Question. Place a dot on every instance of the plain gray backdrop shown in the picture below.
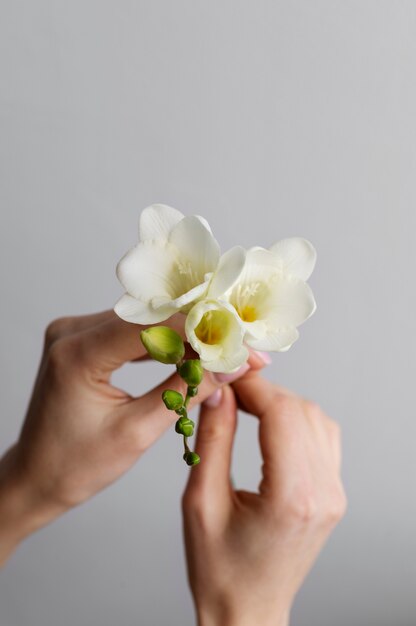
(271, 119)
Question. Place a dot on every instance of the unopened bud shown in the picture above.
(191, 458)
(191, 371)
(192, 391)
(185, 426)
(163, 344)
(173, 399)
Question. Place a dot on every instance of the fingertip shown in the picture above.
(258, 359)
(214, 400)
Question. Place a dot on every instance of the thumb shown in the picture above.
(210, 480)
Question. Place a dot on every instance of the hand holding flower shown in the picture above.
(81, 433)
(248, 553)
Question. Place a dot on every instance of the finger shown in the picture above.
(282, 427)
(148, 413)
(65, 326)
(108, 346)
(214, 442)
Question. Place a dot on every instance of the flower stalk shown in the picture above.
(166, 346)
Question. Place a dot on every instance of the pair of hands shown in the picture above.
(247, 553)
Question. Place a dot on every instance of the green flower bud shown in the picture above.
(182, 412)
(191, 458)
(163, 344)
(192, 391)
(191, 371)
(185, 426)
(173, 399)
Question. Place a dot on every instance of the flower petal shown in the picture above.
(191, 295)
(229, 269)
(227, 363)
(256, 329)
(276, 340)
(291, 302)
(149, 270)
(157, 221)
(204, 222)
(226, 351)
(138, 312)
(297, 256)
(196, 245)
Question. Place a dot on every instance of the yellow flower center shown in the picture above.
(212, 328)
(247, 313)
(244, 299)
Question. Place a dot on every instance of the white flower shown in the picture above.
(271, 296)
(214, 331)
(172, 266)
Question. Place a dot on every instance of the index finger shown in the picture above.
(115, 342)
(281, 430)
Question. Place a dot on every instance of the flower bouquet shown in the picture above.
(241, 299)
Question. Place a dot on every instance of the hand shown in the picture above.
(81, 433)
(248, 553)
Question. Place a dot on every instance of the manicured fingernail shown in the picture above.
(264, 356)
(229, 378)
(214, 399)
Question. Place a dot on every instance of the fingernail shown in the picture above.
(229, 378)
(264, 356)
(213, 400)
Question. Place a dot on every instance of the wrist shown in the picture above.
(22, 509)
(264, 616)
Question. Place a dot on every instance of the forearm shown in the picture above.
(22, 510)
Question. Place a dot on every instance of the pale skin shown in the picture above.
(247, 553)
(81, 433)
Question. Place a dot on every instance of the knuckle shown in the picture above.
(284, 404)
(64, 352)
(194, 507)
(334, 429)
(56, 329)
(211, 431)
(300, 508)
(313, 408)
(337, 507)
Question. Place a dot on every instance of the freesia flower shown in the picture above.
(215, 332)
(271, 295)
(172, 266)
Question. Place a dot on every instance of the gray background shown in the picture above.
(271, 119)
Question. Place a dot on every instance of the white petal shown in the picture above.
(229, 269)
(137, 312)
(196, 245)
(229, 363)
(149, 270)
(157, 221)
(259, 266)
(204, 222)
(296, 256)
(190, 296)
(291, 302)
(230, 342)
(276, 340)
(256, 329)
